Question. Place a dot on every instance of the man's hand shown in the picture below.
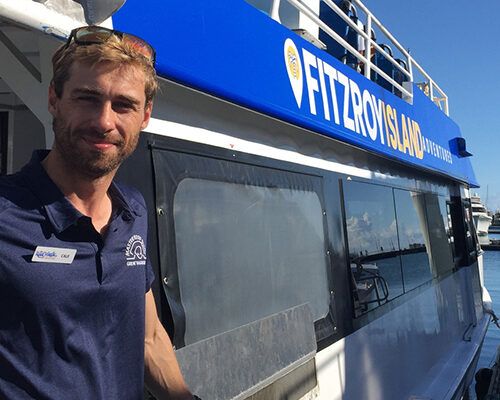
(163, 376)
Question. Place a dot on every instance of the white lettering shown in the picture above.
(322, 85)
(344, 81)
(379, 110)
(332, 75)
(372, 129)
(357, 107)
(312, 83)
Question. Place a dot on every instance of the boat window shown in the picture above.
(398, 240)
(245, 252)
(441, 240)
(241, 242)
(471, 242)
(373, 245)
(413, 241)
(449, 226)
(463, 233)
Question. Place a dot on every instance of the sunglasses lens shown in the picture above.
(96, 35)
(90, 35)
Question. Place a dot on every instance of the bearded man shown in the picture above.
(77, 315)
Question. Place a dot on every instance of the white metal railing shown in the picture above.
(364, 30)
(441, 99)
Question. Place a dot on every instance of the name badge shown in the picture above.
(53, 255)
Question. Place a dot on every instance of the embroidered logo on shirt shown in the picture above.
(135, 251)
(53, 255)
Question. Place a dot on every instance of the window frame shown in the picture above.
(182, 167)
(392, 302)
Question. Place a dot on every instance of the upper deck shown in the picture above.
(302, 62)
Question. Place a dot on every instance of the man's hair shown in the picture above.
(114, 51)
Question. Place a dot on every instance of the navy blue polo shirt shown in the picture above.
(70, 330)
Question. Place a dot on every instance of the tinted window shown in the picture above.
(245, 252)
(373, 244)
(398, 240)
(413, 239)
(440, 234)
(450, 233)
(471, 241)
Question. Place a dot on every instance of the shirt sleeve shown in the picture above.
(150, 276)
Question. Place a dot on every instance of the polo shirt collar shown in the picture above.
(124, 203)
(60, 212)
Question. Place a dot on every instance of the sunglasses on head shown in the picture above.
(87, 35)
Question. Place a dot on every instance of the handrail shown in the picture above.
(368, 40)
(432, 85)
(275, 10)
(314, 17)
(429, 86)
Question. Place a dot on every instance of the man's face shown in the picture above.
(98, 117)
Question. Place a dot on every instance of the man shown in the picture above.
(77, 316)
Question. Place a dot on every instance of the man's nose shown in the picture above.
(104, 119)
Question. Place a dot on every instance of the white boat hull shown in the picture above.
(355, 367)
(482, 222)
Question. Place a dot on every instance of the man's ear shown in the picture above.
(53, 99)
(147, 115)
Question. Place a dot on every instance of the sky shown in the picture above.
(457, 43)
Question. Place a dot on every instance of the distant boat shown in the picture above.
(482, 219)
(495, 224)
(494, 229)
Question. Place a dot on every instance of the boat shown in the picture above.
(311, 226)
(482, 219)
(495, 223)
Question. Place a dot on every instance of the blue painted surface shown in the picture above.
(233, 51)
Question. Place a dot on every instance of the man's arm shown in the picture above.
(163, 376)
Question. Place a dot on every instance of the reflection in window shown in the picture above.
(371, 222)
(245, 252)
(373, 245)
(398, 240)
(413, 238)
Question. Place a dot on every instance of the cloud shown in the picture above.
(367, 236)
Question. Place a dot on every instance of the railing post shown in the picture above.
(409, 85)
(275, 10)
(431, 89)
(410, 67)
(368, 46)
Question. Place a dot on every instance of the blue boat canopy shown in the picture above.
(235, 52)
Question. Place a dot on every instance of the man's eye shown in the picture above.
(123, 106)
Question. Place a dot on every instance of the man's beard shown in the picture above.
(90, 163)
